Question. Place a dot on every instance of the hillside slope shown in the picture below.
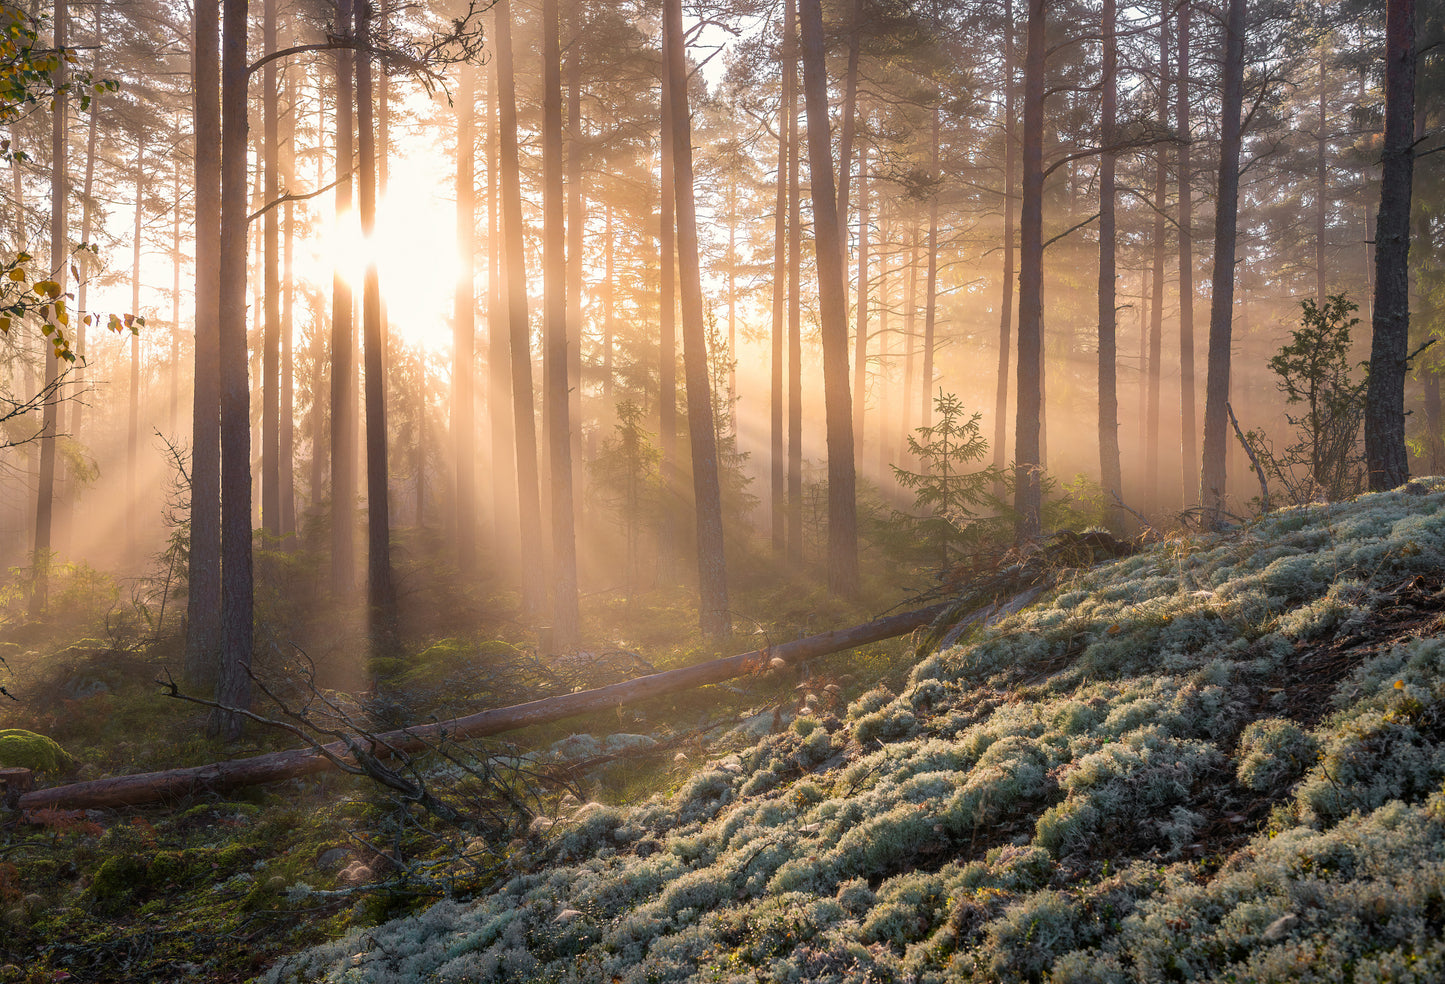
(1219, 760)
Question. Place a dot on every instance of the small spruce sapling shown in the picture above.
(949, 495)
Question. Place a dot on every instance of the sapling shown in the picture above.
(949, 496)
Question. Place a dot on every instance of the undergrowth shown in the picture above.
(1220, 759)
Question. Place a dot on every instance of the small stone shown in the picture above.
(354, 874)
(333, 859)
(1280, 928)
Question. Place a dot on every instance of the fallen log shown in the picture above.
(151, 787)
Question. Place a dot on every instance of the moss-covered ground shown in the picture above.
(1220, 759)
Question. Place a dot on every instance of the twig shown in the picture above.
(1118, 501)
(1253, 460)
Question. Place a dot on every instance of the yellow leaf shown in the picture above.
(5, 323)
(17, 275)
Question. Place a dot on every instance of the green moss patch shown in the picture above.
(27, 750)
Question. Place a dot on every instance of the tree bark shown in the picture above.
(132, 429)
(1221, 310)
(60, 264)
(234, 686)
(463, 409)
(776, 454)
(554, 334)
(1156, 316)
(1110, 469)
(576, 228)
(1028, 489)
(534, 589)
(860, 333)
(833, 313)
(1386, 460)
(271, 285)
(203, 598)
(500, 399)
(1006, 303)
(1188, 421)
(714, 616)
(380, 589)
(288, 321)
(795, 313)
(343, 341)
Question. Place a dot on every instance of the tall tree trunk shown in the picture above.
(609, 292)
(132, 430)
(1006, 303)
(849, 121)
(318, 429)
(271, 285)
(534, 589)
(1028, 489)
(910, 339)
(1188, 423)
(234, 686)
(795, 313)
(713, 614)
(833, 313)
(667, 345)
(1385, 456)
(1221, 309)
(554, 338)
(930, 304)
(174, 404)
(860, 335)
(288, 323)
(1156, 320)
(505, 517)
(60, 264)
(1110, 469)
(1322, 186)
(381, 591)
(203, 596)
(884, 379)
(464, 327)
(343, 342)
(576, 227)
(776, 461)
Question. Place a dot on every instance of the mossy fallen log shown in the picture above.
(151, 787)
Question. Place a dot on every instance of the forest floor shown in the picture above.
(1219, 759)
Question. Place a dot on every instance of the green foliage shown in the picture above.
(950, 496)
(1326, 457)
(625, 476)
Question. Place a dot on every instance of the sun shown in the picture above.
(413, 246)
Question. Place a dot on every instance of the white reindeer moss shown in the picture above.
(1037, 805)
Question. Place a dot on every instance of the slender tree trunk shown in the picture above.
(554, 334)
(667, 346)
(1322, 187)
(609, 292)
(381, 591)
(1156, 320)
(234, 686)
(464, 328)
(795, 313)
(1028, 490)
(849, 120)
(59, 262)
(271, 285)
(1110, 469)
(860, 335)
(288, 323)
(505, 516)
(884, 380)
(910, 339)
(319, 437)
(203, 597)
(1226, 214)
(714, 616)
(534, 589)
(930, 308)
(576, 227)
(343, 343)
(173, 409)
(1188, 422)
(1006, 303)
(132, 430)
(833, 311)
(776, 460)
(1385, 456)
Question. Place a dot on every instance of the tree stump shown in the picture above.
(14, 782)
